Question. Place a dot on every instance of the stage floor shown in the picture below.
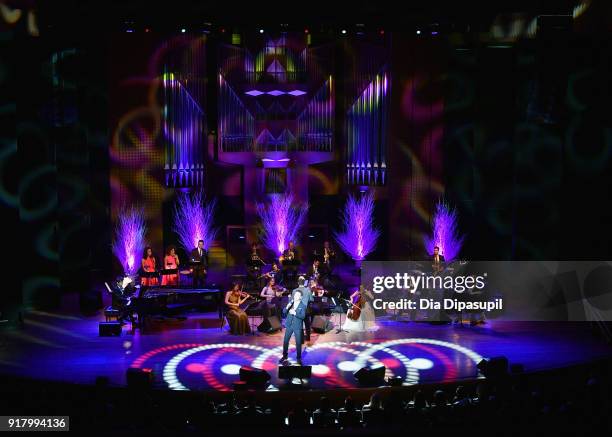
(198, 355)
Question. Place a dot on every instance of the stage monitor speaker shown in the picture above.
(253, 376)
(371, 375)
(290, 372)
(496, 367)
(321, 324)
(109, 329)
(270, 324)
(139, 378)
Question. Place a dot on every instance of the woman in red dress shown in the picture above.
(171, 261)
(148, 266)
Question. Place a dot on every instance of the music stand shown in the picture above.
(168, 272)
(338, 309)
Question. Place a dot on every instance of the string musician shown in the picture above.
(319, 306)
(360, 315)
(236, 316)
(273, 295)
(274, 273)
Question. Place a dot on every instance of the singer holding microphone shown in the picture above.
(294, 324)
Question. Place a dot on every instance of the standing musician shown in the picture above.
(199, 258)
(437, 260)
(329, 255)
(294, 323)
(236, 316)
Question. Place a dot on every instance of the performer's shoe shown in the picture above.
(283, 360)
(299, 362)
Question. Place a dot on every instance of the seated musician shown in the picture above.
(273, 294)
(236, 316)
(274, 273)
(290, 254)
(360, 316)
(318, 306)
(314, 270)
(171, 262)
(148, 266)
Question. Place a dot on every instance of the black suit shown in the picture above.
(199, 270)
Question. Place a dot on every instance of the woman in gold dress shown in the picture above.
(237, 318)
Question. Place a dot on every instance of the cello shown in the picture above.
(355, 311)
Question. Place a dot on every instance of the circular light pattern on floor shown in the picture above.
(364, 354)
(320, 370)
(421, 363)
(230, 369)
(349, 366)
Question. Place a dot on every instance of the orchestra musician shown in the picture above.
(289, 260)
(199, 256)
(236, 316)
(314, 271)
(272, 303)
(171, 262)
(329, 255)
(360, 316)
(275, 273)
(148, 265)
(290, 254)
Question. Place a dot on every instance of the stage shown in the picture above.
(199, 354)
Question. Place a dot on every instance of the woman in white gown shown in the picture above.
(367, 319)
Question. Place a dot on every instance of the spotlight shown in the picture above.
(343, 31)
(418, 32)
(183, 30)
(261, 31)
(147, 30)
(382, 31)
(305, 30)
(434, 32)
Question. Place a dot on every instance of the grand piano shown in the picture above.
(174, 303)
